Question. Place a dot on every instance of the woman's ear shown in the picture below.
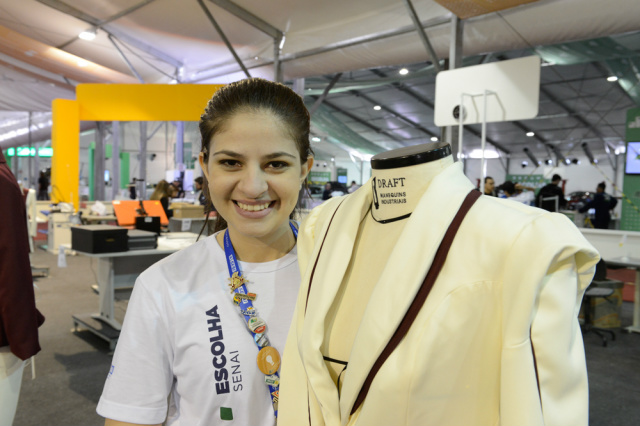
(306, 168)
(203, 165)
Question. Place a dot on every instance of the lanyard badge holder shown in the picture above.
(268, 357)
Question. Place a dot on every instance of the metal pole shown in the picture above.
(115, 160)
(142, 188)
(224, 38)
(179, 144)
(423, 36)
(484, 135)
(30, 161)
(277, 65)
(455, 61)
(98, 163)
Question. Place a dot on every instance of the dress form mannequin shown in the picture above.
(399, 179)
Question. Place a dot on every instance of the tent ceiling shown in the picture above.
(367, 40)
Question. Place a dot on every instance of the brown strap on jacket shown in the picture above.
(421, 296)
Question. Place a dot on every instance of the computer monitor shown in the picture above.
(632, 163)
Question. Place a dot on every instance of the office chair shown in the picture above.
(599, 278)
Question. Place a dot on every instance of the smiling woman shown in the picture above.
(187, 351)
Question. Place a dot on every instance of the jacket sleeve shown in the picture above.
(19, 318)
(542, 340)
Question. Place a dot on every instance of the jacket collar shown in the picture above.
(407, 266)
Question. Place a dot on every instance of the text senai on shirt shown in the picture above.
(220, 362)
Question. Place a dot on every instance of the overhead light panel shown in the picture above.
(612, 78)
(403, 71)
(377, 107)
(88, 35)
(531, 134)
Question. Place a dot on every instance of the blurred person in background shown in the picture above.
(489, 186)
(164, 192)
(602, 203)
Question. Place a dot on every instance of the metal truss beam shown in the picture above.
(124, 58)
(71, 11)
(363, 122)
(224, 38)
(322, 97)
(249, 18)
(404, 89)
(423, 36)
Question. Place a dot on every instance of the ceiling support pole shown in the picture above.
(322, 97)
(224, 38)
(124, 58)
(115, 159)
(450, 134)
(423, 36)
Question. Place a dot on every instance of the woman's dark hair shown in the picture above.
(253, 95)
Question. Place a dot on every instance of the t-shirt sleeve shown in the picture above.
(140, 378)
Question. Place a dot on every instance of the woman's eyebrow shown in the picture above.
(229, 153)
(271, 156)
(278, 154)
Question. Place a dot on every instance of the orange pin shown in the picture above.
(268, 360)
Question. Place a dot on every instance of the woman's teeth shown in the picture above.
(253, 207)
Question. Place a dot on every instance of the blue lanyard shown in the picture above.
(246, 305)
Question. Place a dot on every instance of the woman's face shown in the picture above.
(254, 174)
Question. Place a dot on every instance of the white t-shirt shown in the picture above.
(183, 335)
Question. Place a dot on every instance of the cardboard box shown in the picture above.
(186, 210)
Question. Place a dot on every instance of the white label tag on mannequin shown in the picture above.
(186, 225)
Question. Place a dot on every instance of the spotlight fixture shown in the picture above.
(530, 134)
(377, 107)
(88, 35)
(315, 139)
(525, 163)
(548, 162)
(434, 139)
(403, 71)
(532, 157)
(612, 78)
(587, 151)
(575, 161)
(567, 161)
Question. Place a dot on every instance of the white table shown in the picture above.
(120, 270)
(630, 262)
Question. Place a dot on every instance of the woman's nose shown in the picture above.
(253, 183)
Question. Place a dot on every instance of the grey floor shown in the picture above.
(71, 367)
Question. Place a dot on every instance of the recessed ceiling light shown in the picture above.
(530, 134)
(88, 35)
(612, 78)
(403, 71)
(377, 107)
(434, 139)
(315, 139)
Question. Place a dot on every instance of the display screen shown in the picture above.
(632, 165)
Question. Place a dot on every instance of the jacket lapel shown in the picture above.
(401, 278)
(326, 270)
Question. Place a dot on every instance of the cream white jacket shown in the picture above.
(497, 341)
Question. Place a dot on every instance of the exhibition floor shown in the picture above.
(71, 367)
